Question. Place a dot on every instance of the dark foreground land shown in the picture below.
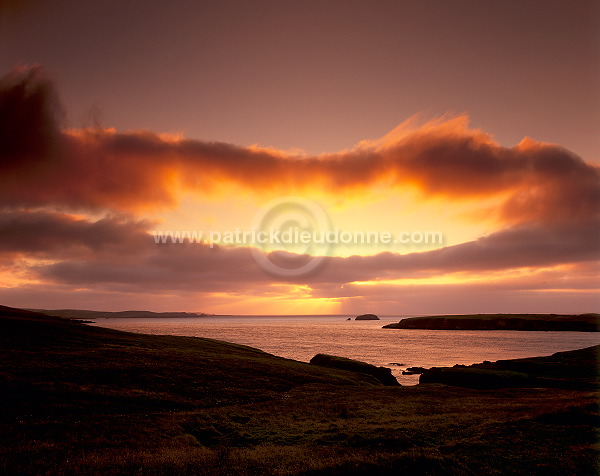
(86, 400)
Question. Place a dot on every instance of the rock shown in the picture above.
(414, 370)
(366, 317)
(383, 374)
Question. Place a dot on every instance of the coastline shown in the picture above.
(301, 338)
(90, 400)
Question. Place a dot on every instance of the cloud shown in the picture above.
(141, 264)
(117, 256)
(30, 132)
(169, 267)
(515, 248)
(125, 171)
(197, 274)
(52, 234)
(548, 212)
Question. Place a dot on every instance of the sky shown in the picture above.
(461, 136)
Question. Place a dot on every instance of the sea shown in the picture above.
(302, 337)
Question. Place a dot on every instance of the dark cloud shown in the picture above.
(223, 269)
(515, 248)
(60, 235)
(29, 121)
(174, 267)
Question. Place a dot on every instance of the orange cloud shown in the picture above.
(41, 164)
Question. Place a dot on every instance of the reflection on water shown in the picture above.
(301, 337)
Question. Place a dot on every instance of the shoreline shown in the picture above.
(291, 339)
(91, 400)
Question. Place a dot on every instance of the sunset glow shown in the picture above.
(509, 180)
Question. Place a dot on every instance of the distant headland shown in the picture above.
(85, 314)
(514, 322)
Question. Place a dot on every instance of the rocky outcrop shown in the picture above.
(383, 374)
(513, 322)
(575, 369)
(366, 317)
(414, 370)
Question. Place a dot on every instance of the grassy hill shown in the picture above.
(44, 358)
(93, 401)
(576, 369)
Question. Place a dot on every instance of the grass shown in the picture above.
(90, 401)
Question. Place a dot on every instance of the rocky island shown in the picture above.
(514, 322)
(366, 317)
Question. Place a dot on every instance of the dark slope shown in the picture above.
(89, 401)
(576, 369)
(43, 358)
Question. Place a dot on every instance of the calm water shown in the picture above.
(301, 337)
